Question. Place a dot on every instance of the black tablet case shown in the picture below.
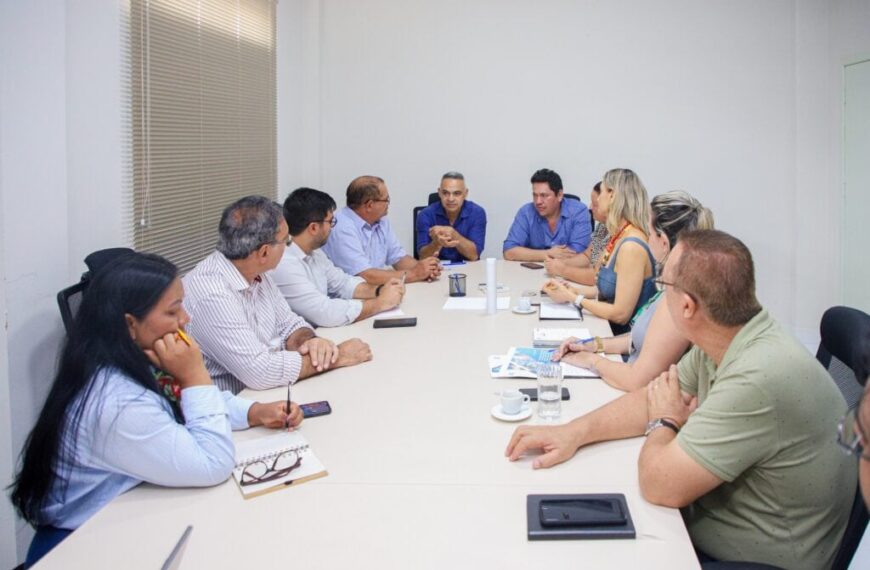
(538, 532)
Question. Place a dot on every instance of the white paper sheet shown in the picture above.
(473, 303)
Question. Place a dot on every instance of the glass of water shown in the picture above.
(549, 391)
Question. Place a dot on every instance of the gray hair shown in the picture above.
(453, 175)
(247, 224)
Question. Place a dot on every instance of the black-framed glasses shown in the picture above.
(850, 434)
(387, 199)
(663, 286)
(266, 470)
(331, 222)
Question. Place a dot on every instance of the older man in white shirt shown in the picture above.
(248, 335)
(312, 285)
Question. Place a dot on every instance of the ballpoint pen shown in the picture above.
(287, 421)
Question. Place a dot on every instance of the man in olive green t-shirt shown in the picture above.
(746, 446)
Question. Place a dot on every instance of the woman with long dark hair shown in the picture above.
(131, 402)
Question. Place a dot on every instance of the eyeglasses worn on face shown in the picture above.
(331, 222)
(387, 199)
(849, 435)
(663, 286)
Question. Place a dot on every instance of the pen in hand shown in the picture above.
(287, 421)
(183, 336)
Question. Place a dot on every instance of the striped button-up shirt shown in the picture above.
(241, 327)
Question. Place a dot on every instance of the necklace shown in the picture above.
(611, 244)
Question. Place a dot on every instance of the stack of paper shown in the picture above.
(551, 338)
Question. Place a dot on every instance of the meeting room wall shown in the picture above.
(738, 103)
(734, 102)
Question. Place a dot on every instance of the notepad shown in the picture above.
(266, 449)
(559, 311)
(551, 338)
(474, 303)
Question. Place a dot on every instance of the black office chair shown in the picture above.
(70, 299)
(844, 333)
(591, 217)
(844, 351)
(433, 197)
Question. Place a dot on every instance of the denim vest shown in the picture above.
(607, 284)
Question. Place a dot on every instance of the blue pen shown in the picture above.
(584, 341)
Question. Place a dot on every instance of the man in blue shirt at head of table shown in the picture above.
(452, 229)
(549, 226)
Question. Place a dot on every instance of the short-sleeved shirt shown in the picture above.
(355, 245)
(532, 230)
(470, 224)
(316, 289)
(766, 425)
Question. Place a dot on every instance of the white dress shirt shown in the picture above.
(241, 327)
(127, 435)
(316, 289)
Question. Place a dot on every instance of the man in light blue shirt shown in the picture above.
(549, 226)
(363, 243)
(314, 287)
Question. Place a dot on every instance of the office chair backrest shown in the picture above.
(70, 299)
(842, 351)
(417, 211)
(844, 333)
(433, 197)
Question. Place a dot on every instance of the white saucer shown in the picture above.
(519, 311)
(498, 414)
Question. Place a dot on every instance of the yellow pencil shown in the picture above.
(183, 336)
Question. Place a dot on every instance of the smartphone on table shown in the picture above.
(315, 409)
(533, 393)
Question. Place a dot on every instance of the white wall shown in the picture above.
(698, 96)
(738, 103)
(60, 174)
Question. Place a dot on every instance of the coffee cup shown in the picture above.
(525, 304)
(514, 401)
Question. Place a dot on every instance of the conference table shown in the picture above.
(417, 472)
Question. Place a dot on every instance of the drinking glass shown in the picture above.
(549, 391)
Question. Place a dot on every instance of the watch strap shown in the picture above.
(661, 422)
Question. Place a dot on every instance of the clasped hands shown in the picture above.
(444, 236)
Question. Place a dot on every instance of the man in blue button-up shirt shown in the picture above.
(363, 243)
(452, 229)
(549, 226)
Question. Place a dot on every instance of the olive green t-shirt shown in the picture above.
(766, 424)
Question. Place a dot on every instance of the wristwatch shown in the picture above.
(660, 422)
(578, 300)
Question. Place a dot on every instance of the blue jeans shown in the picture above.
(47, 537)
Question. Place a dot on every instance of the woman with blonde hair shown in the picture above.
(654, 343)
(626, 274)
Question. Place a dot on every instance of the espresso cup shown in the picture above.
(514, 401)
(525, 304)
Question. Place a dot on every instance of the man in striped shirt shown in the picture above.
(248, 335)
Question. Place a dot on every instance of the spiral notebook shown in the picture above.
(267, 449)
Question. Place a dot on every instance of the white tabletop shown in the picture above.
(417, 473)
